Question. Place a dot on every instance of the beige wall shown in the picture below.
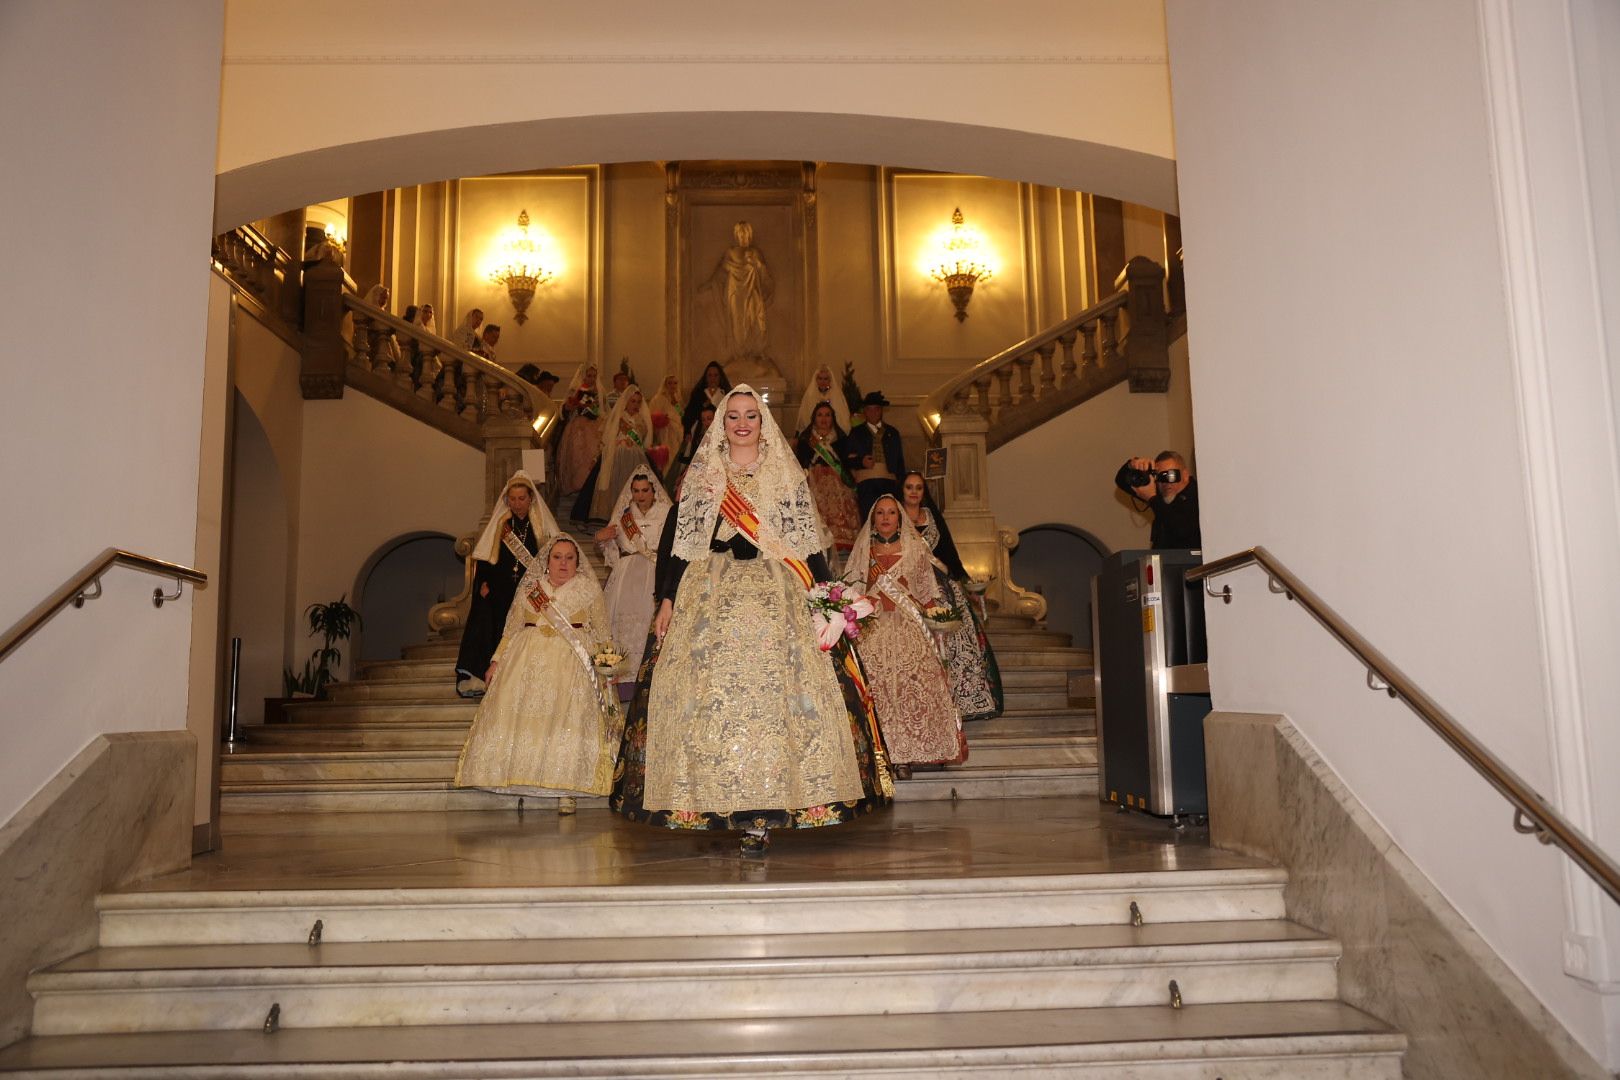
(1071, 93)
(372, 474)
(99, 425)
(1375, 294)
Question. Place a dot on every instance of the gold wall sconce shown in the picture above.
(962, 260)
(525, 265)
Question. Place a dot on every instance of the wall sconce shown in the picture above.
(524, 267)
(963, 261)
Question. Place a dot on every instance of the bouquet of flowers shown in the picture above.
(660, 419)
(607, 660)
(659, 457)
(943, 619)
(584, 402)
(838, 610)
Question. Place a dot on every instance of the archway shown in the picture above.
(269, 187)
(256, 581)
(1059, 561)
(395, 588)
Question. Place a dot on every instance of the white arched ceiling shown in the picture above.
(1071, 93)
(260, 190)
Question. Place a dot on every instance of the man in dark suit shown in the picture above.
(873, 454)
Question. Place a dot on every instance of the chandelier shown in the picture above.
(962, 261)
(524, 267)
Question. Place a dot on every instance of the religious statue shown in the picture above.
(744, 286)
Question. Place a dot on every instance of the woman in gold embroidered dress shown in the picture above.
(547, 725)
(740, 720)
(820, 449)
(910, 687)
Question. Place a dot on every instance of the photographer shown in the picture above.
(1165, 486)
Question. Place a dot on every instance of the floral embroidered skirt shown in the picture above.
(740, 721)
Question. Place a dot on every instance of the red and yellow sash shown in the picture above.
(737, 510)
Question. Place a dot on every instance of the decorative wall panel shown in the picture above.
(564, 327)
(921, 333)
(742, 277)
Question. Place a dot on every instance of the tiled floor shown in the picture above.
(487, 849)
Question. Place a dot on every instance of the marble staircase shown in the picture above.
(997, 976)
(389, 738)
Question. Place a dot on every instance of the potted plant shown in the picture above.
(334, 622)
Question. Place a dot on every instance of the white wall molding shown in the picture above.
(1550, 441)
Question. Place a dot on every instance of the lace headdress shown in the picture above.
(488, 547)
(575, 594)
(814, 397)
(916, 564)
(660, 499)
(786, 513)
(640, 421)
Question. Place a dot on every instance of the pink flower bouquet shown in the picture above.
(838, 610)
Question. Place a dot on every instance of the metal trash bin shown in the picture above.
(1150, 665)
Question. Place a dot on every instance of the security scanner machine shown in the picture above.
(1150, 663)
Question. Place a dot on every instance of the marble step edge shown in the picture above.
(1090, 944)
(968, 769)
(1319, 1041)
(324, 996)
(429, 914)
(988, 739)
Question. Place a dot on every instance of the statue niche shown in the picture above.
(735, 308)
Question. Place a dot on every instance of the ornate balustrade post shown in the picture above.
(966, 501)
(324, 357)
(1147, 349)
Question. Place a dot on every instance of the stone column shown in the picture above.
(982, 546)
(1105, 243)
(321, 370)
(505, 439)
(286, 231)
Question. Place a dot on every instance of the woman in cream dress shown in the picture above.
(910, 687)
(547, 724)
(630, 548)
(625, 438)
(740, 720)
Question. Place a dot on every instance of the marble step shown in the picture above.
(380, 735)
(379, 670)
(1053, 722)
(1020, 699)
(369, 797)
(1031, 638)
(433, 650)
(970, 781)
(1035, 678)
(1066, 659)
(1294, 1040)
(419, 691)
(284, 916)
(332, 713)
(225, 987)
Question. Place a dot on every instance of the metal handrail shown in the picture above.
(1533, 815)
(77, 590)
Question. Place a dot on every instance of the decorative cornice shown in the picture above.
(486, 59)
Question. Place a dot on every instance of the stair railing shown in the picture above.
(1532, 814)
(443, 374)
(86, 586)
(1123, 336)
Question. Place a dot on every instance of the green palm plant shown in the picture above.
(334, 622)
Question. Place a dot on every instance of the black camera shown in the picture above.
(1142, 477)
